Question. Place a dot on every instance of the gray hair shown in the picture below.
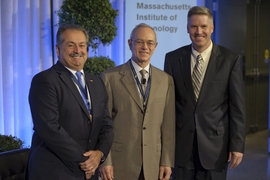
(139, 26)
(63, 28)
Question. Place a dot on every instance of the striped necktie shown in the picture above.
(197, 76)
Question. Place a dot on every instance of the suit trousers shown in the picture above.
(141, 176)
(195, 171)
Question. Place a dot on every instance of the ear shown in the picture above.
(130, 44)
(57, 50)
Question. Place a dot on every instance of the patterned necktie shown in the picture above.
(143, 80)
(197, 76)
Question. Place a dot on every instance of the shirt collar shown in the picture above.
(73, 71)
(138, 68)
(204, 54)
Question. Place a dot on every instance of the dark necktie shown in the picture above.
(197, 76)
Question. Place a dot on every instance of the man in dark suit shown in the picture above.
(73, 131)
(210, 103)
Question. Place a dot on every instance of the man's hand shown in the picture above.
(92, 163)
(165, 172)
(88, 175)
(106, 172)
(235, 158)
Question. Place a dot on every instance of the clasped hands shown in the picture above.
(91, 164)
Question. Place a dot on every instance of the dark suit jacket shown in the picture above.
(62, 128)
(219, 114)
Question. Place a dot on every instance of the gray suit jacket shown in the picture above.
(219, 114)
(141, 137)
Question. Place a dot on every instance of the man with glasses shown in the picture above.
(141, 103)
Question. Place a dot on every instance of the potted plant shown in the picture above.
(10, 142)
(98, 18)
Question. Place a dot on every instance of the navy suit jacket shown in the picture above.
(62, 127)
(219, 114)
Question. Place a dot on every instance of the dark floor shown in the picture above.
(256, 161)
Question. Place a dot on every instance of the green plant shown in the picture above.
(10, 142)
(97, 65)
(96, 16)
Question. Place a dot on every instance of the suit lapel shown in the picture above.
(64, 75)
(184, 60)
(155, 83)
(91, 84)
(211, 71)
(187, 75)
(130, 84)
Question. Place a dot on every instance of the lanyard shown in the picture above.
(145, 96)
(83, 91)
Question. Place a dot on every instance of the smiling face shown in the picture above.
(72, 52)
(142, 45)
(200, 28)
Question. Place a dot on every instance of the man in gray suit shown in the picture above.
(210, 103)
(143, 112)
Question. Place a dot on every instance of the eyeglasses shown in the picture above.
(139, 42)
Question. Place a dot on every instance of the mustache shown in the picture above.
(76, 55)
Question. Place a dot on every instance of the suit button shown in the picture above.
(89, 140)
(144, 128)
